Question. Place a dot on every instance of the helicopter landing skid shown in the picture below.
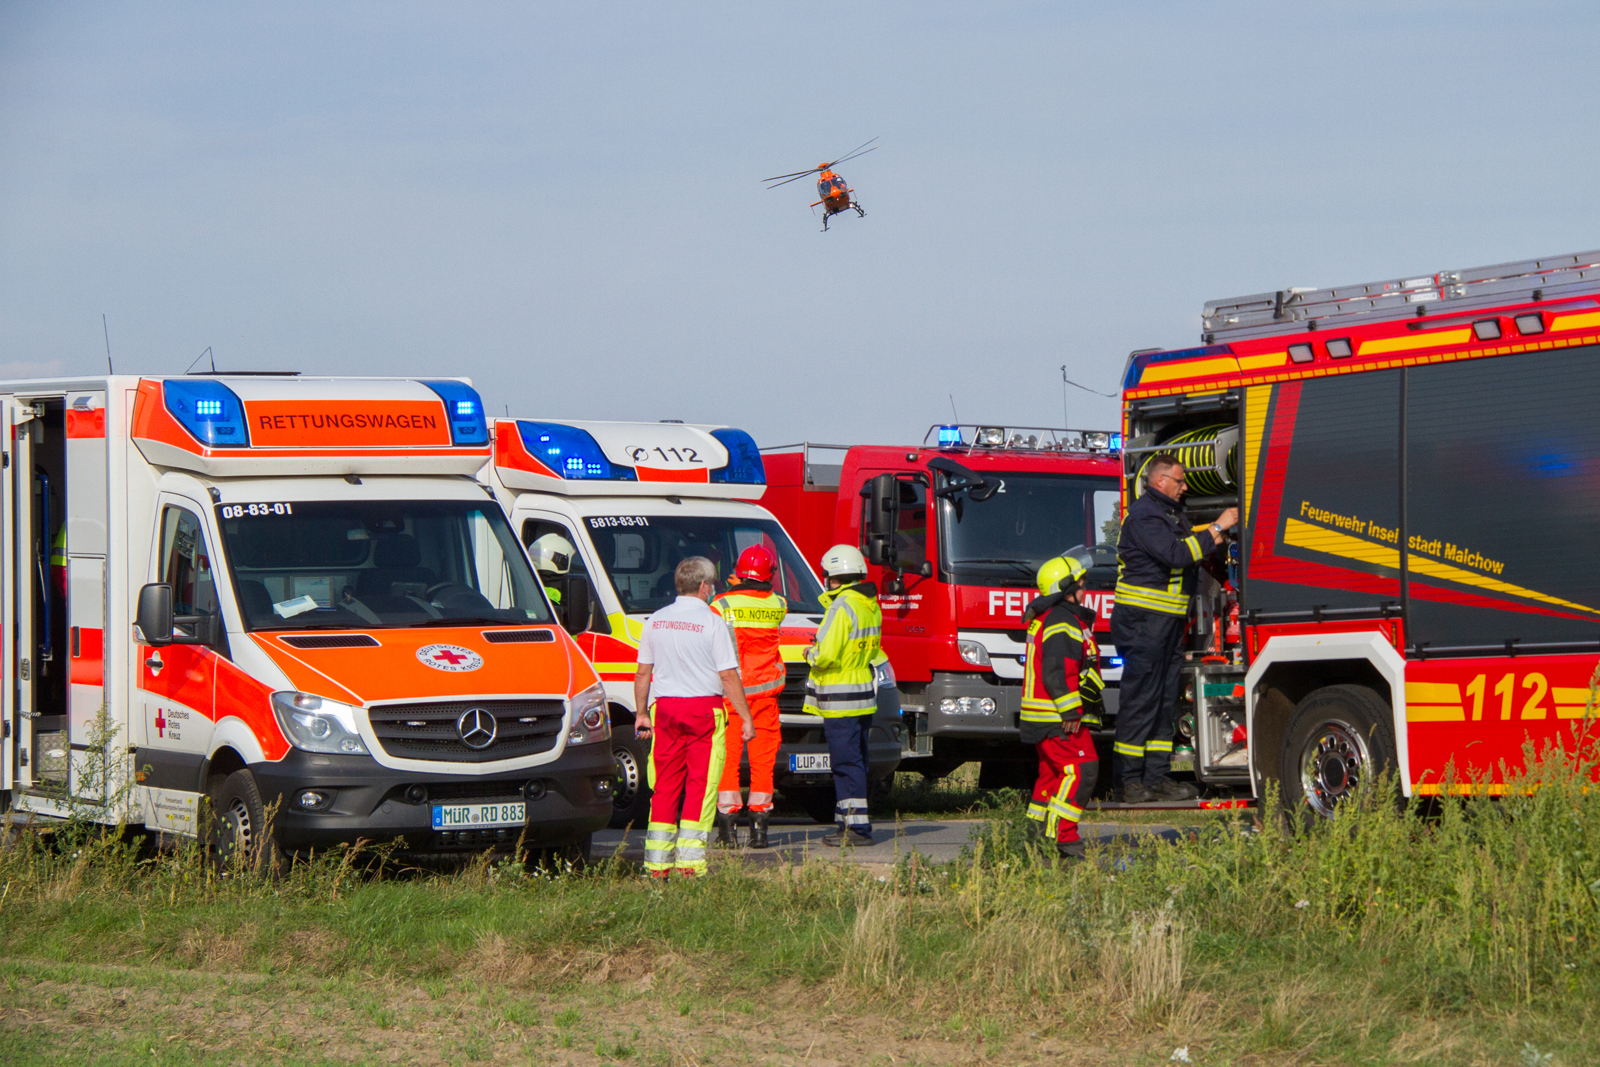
(861, 213)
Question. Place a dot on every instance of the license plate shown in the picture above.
(469, 816)
(800, 762)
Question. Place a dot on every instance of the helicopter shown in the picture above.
(836, 195)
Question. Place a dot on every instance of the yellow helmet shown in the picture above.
(1059, 573)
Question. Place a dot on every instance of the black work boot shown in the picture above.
(1070, 850)
(1169, 790)
(727, 836)
(1137, 793)
(758, 828)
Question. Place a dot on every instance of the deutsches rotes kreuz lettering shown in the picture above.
(449, 658)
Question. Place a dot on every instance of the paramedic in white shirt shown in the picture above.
(687, 655)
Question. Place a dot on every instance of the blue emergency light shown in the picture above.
(950, 437)
(572, 453)
(744, 459)
(465, 408)
(1116, 442)
(209, 410)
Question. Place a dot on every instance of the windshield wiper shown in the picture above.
(1021, 564)
(472, 620)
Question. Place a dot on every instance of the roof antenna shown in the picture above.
(953, 408)
(107, 330)
(201, 356)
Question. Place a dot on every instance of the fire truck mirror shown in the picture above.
(883, 506)
(154, 617)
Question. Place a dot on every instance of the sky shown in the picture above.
(564, 202)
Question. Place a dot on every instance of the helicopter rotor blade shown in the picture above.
(795, 178)
(791, 177)
(853, 153)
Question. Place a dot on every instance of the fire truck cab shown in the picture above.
(288, 593)
(1417, 466)
(634, 499)
(954, 531)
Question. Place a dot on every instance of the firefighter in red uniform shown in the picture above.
(1060, 691)
(754, 613)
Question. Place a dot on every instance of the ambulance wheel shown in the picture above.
(238, 837)
(561, 859)
(1340, 739)
(630, 803)
(817, 803)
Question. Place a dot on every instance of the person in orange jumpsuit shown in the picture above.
(754, 613)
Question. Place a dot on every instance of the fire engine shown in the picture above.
(954, 530)
(284, 592)
(633, 499)
(1417, 466)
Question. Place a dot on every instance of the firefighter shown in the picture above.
(754, 613)
(686, 653)
(841, 686)
(1060, 698)
(1157, 555)
(552, 558)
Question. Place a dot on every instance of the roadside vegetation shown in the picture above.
(1465, 931)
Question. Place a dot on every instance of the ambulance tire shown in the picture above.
(630, 803)
(561, 859)
(1340, 739)
(238, 837)
(817, 803)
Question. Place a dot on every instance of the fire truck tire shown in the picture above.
(630, 804)
(1340, 738)
(238, 837)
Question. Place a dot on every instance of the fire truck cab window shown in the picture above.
(1503, 487)
(911, 526)
(1003, 539)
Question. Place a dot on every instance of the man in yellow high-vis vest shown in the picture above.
(842, 688)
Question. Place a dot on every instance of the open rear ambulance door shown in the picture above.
(18, 572)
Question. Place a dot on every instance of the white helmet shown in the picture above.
(843, 561)
(552, 554)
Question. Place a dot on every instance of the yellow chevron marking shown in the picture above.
(1575, 322)
(1431, 339)
(1200, 368)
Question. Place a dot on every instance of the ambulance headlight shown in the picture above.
(314, 724)
(587, 721)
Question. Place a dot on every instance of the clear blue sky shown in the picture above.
(564, 201)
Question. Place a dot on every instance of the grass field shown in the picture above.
(1467, 934)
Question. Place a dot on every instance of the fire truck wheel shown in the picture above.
(238, 836)
(631, 801)
(1340, 739)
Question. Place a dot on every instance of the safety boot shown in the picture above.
(758, 828)
(1169, 790)
(1070, 850)
(1137, 793)
(727, 836)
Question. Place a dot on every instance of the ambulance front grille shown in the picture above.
(428, 731)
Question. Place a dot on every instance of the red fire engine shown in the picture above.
(954, 530)
(1417, 466)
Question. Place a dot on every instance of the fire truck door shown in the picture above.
(175, 681)
(86, 565)
(19, 571)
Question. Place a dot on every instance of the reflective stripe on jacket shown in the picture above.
(755, 616)
(1050, 679)
(1157, 554)
(848, 642)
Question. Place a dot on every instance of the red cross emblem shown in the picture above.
(161, 724)
(449, 657)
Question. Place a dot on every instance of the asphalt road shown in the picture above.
(796, 841)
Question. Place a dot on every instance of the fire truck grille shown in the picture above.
(428, 731)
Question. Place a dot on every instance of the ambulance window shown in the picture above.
(185, 563)
(630, 552)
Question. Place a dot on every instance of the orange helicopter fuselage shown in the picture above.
(834, 192)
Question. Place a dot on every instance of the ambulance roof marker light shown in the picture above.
(464, 409)
(744, 458)
(571, 452)
(209, 410)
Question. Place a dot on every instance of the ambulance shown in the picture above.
(288, 595)
(633, 499)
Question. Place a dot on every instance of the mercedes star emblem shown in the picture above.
(476, 728)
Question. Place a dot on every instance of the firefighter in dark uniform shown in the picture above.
(1157, 555)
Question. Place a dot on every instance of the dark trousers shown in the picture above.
(1151, 647)
(847, 751)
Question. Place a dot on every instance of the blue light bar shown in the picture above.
(949, 436)
(744, 459)
(1115, 661)
(464, 408)
(1116, 442)
(572, 453)
(209, 410)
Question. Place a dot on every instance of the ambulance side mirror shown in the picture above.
(577, 606)
(154, 617)
(883, 508)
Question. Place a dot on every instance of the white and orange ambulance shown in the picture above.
(633, 499)
(290, 595)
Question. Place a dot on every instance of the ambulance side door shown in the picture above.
(176, 682)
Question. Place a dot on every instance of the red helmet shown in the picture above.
(755, 563)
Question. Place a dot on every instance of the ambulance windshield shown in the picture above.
(1030, 518)
(639, 553)
(322, 565)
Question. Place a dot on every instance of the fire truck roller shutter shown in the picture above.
(1197, 451)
